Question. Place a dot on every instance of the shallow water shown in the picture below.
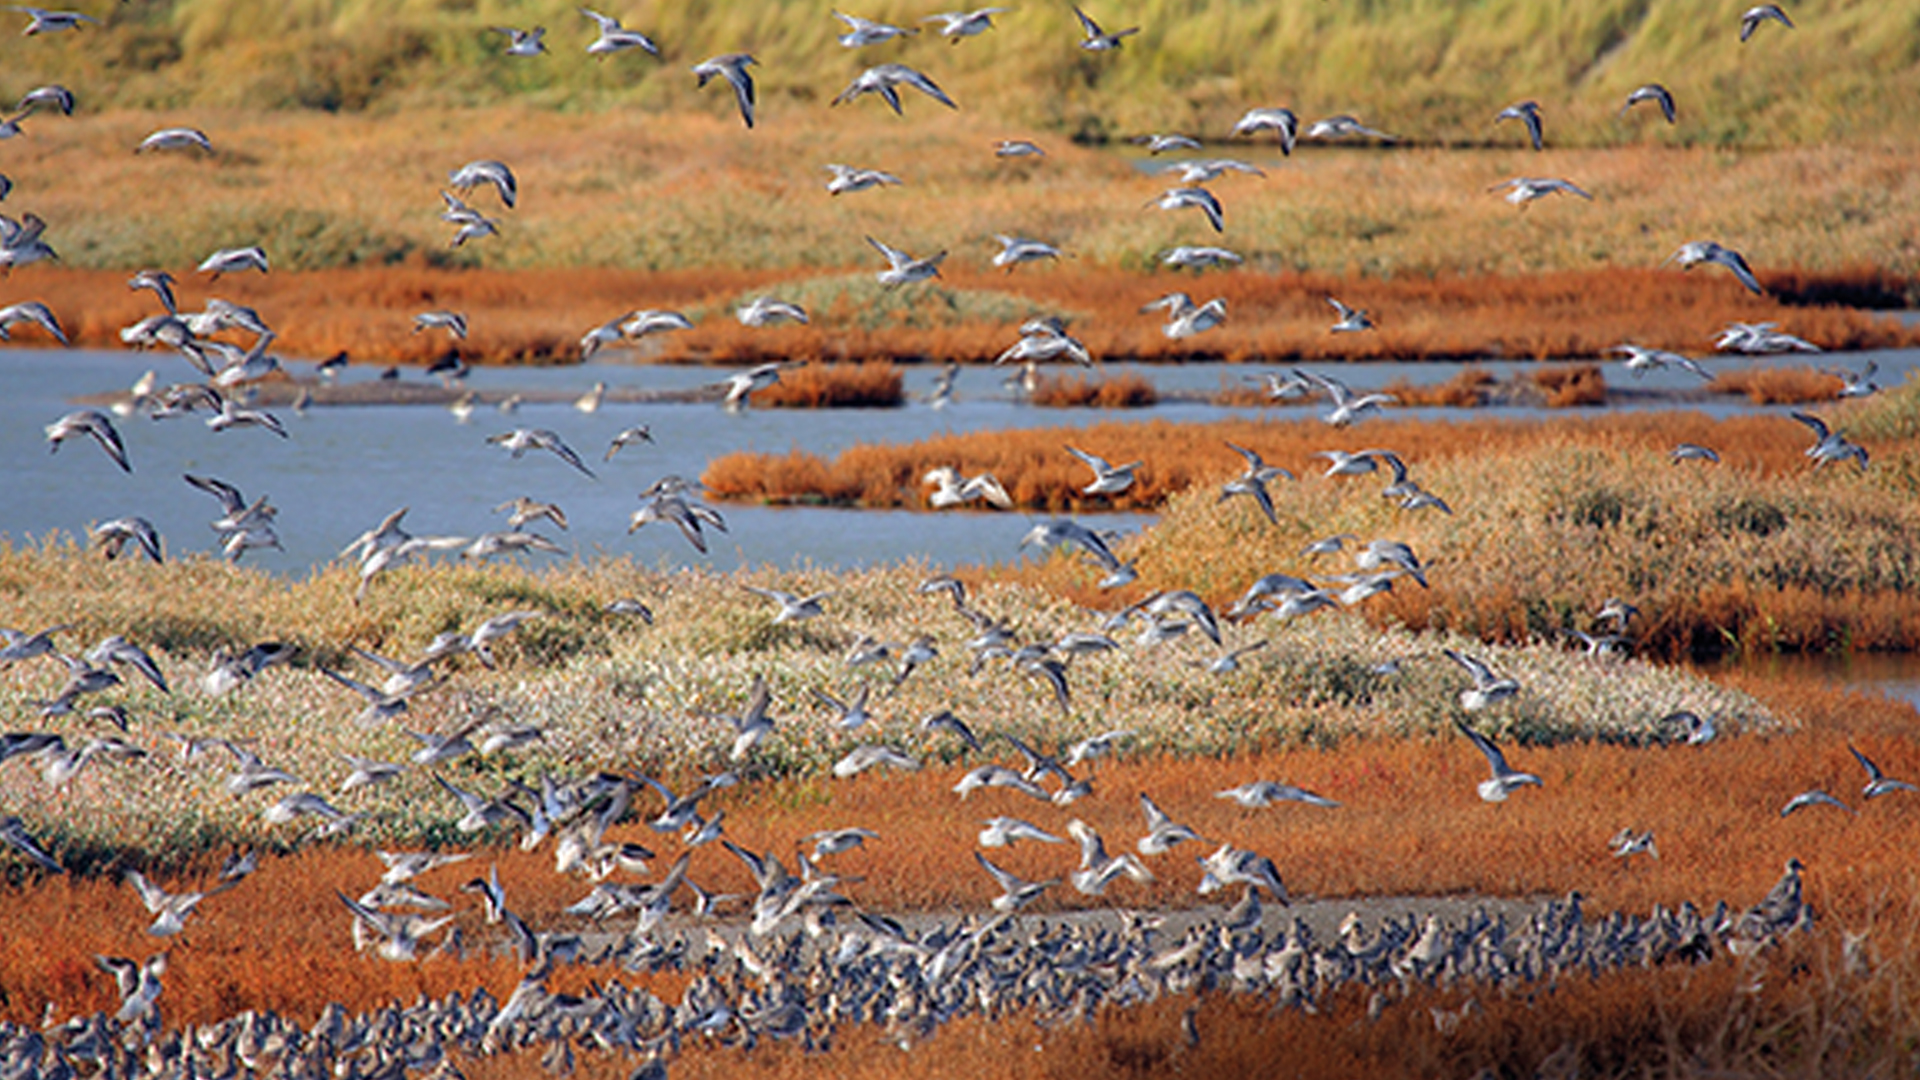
(346, 467)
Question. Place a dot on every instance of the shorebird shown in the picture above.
(1097, 868)
(883, 78)
(903, 268)
(1232, 866)
(1344, 126)
(848, 179)
(1816, 797)
(233, 260)
(1505, 779)
(178, 138)
(1750, 20)
(1651, 92)
(1009, 148)
(452, 322)
(520, 440)
(492, 173)
(113, 537)
(866, 756)
(741, 385)
(1185, 318)
(1162, 831)
(92, 423)
(1856, 383)
(952, 489)
(1098, 40)
(1352, 319)
(1015, 250)
(863, 32)
(733, 68)
(1349, 407)
(1699, 251)
(1528, 113)
(1198, 258)
(1197, 197)
(1042, 340)
(52, 96)
(955, 25)
(1878, 783)
(1206, 170)
(1627, 843)
(1830, 444)
(523, 42)
(792, 608)
(1253, 482)
(1063, 531)
(1487, 687)
(616, 38)
(1281, 121)
(686, 514)
(1522, 190)
(1158, 144)
(1641, 359)
(1015, 892)
(169, 909)
(13, 833)
(229, 670)
(1108, 479)
(629, 437)
(35, 313)
(1687, 451)
(1262, 793)
(769, 311)
(43, 21)
(1006, 831)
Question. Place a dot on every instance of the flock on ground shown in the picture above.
(759, 978)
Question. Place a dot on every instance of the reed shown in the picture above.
(1778, 386)
(1073, 391)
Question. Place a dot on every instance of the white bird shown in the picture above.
(1653, 92)
(882, 80)
(1692, 452)
(1522, 190)
(177, 138)
(520, 440)
(1015, 250)
(234, 260)
(1280, 121)
(1231, 866)
(1487, 687)
(616, 38)
(1352, 319)
(768, 311)
(1830, 445)
(169, 909)
(1197, 197)
(952, 489)
(1640, 359)
(903, 268)
(1158, 144)
(92, 423)
(1015, 892)
(1505, 779)
(1699, 251)
(866, 756)
(1098, 40)
(792, 608)
(733, 68)
(34, 312)
(1005, 831)
(1878, 783)
(1343, 126)
(1162, 831)
(1749, 21)
(51, 22)
(741, 385)
(1627, 843)
(848, 179)
(1198, 258)
(1108, 479)
(1261, 793)
(452, 322)
(1815, 797)
(495, 174)
(1528, 113)
(862, 32)
(523, 42)
(955, 25)
(13, 833)
(1097, 868)
(1349, 407)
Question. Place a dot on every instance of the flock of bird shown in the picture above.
(758, 978)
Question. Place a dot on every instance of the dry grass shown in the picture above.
(1567, 387)
(1778, 386)
(835, 386)
(1471, 387)
(1114, 392)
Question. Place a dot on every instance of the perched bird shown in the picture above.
(733, 68)
(1505, 779)
(1528, 113)
(1098, 40)
(1699, 251)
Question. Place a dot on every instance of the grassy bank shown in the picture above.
(1425, 71)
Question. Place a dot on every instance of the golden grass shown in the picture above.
(1567, 387)
(835, 386)
(1107, 392)
(1778, 386)
(1467, 389)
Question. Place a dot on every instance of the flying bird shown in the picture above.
(733, 68)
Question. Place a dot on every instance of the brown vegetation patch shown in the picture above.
(1778, 386)
(1116, 392)
(1571, 386)
(835, 386)
(1471, 387)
